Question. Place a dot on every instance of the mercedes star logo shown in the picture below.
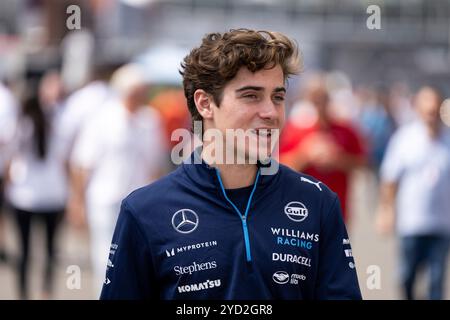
(185, 221)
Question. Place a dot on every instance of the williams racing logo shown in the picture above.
(294, 238)
(296, 211)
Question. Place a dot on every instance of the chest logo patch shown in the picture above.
(185, 221)
(296, 211)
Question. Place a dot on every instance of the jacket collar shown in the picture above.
(205, 175)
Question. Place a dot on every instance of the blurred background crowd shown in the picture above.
(90, 95)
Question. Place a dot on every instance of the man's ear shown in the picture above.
(204, 103)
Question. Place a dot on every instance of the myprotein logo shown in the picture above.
(282, 277)
(185, 221)
(208, 284)
(296, 211)
(173, 251)
(194, 267)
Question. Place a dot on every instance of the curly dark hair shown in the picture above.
(220, 56)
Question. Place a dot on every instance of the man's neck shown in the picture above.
(433, 131)
(234, 175)
(323, 121)
(129, 107)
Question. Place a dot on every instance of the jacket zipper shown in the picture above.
(243, 217)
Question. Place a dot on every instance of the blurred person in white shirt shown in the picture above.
(415, 184)
(79, 107)
(84, 103)
(8, 115)
(36, 181)
(119, 149)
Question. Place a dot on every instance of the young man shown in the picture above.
(215, 230)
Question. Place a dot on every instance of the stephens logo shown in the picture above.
(194, 267)
(296, 211)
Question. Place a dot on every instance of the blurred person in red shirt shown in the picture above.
(314, 143)
(172, 107)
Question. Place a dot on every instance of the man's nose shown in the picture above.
(269, 111)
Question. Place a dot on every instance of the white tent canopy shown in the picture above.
(162, 64)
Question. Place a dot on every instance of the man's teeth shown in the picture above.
(263, 132)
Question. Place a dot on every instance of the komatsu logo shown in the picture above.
(208, 284)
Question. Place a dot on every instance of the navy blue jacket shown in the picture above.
(181, 237)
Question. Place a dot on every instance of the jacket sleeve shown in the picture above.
(336, 278)
(129, 273)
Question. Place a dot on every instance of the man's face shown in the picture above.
(138, 96)
(252, 102)
(428, 106)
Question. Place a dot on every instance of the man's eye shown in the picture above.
(279, 98)
(251, 96)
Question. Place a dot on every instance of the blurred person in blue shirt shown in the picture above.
(376, 122)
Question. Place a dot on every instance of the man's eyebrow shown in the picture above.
(255, 88)
(280, 89)
(250, 88)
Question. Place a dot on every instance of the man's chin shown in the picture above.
(254, 156)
